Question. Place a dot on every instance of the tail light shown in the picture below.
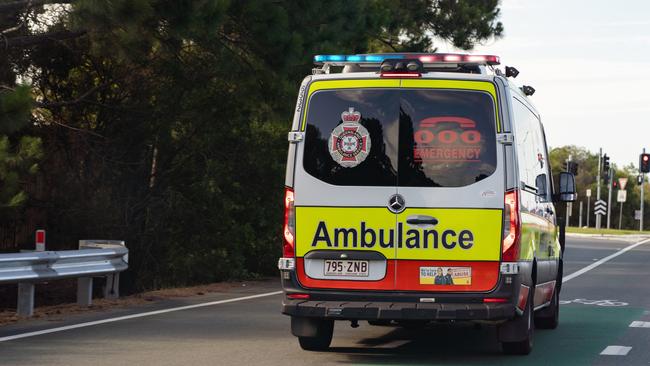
(288, 249)
(511, 227)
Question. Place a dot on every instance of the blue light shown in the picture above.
(336, 58)
(375, 58)
(355, 58)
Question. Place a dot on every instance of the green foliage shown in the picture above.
(165, 123)
(587, 178)
(15, 109)
(18, 154)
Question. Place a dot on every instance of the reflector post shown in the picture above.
(40, 240)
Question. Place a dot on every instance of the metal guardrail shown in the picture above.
(27, 269)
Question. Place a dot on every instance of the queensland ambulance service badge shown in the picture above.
(349, 142)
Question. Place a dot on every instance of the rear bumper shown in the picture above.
(397, 310)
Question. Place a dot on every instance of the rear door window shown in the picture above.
(447, 138)
(360, 151)
(400, 137)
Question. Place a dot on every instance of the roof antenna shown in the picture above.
(511, 71)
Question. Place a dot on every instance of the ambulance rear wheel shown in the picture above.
(525, 345)
(322, 340)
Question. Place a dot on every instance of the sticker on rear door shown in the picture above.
(447, 139)
(349, 143)
(445, 275)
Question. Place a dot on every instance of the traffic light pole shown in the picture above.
(642, 184)
(568, 205)
(642, 201)
(600, 156)
(610, 183)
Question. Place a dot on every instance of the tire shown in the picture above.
(322, 340)
(524, 346)
(549, 318)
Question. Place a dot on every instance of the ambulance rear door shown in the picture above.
(451, 178)
(345, 175)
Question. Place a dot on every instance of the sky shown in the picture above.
(589, 62)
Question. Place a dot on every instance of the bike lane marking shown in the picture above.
(616, 351)
(639, 324)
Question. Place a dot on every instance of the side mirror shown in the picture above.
(567, 191)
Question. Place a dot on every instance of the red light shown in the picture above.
(499, 300)
(288, 249)
(646, 157)
(511, 227)
(400, 74)
(429, 58)
(460, 58)
(298, 296)
(452, 58)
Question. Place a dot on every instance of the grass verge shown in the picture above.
(591, 230)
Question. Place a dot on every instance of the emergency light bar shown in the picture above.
(425, 58)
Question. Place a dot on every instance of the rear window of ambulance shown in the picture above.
(400, 137)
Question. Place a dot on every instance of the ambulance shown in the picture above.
(419, 190)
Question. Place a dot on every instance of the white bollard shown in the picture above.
(85, 291)
(25, 299)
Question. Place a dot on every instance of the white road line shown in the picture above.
(616, 351)
(606, 259)
(639, 324)
(134, 316)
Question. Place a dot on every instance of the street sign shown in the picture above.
(637, 214)
(622, 182)
(622, 196)
(600, 208)
(588, 192)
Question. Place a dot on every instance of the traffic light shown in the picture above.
(573, 168)
(644, 163)
(614, 184)
(605, 164)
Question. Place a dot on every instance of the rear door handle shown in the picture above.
(421, 220)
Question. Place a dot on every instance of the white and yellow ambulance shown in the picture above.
(418, 189)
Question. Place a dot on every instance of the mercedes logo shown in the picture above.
(396, 203)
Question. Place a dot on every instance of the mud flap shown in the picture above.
(517, 329)
(305, 327)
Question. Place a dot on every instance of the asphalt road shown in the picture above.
(598, 308)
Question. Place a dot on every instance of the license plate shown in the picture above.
(336, 267)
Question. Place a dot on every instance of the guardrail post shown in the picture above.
(25, 299)
(85, 291)
(112, 288)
